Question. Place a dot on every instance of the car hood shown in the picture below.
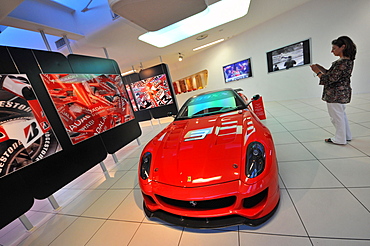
(202, 151)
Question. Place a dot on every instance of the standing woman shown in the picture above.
(337, 87)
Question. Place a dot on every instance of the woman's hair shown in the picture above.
(350, 49)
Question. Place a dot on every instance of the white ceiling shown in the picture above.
(94, 29)
(149, 14)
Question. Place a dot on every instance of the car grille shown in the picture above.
(204, 204)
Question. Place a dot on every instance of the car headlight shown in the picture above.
(255, 161)
(145, 165)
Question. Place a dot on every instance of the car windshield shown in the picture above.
(210, 103)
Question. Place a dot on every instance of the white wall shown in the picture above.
(320, 20)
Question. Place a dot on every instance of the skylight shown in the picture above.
(216, 14)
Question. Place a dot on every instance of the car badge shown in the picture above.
(189, 178)
(193, 203)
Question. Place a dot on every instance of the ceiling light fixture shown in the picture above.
(181, 57)
(214, 15)
(201, 37)
(209, 44)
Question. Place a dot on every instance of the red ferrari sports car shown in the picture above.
(213, 166)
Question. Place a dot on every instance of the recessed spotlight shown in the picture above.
(201, 37)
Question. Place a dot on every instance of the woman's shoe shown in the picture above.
(328, 140)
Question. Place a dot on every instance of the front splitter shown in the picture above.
(206, 223)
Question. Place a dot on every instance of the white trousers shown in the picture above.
(339, 119)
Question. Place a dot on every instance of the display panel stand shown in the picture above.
(115, 158)
(53, 202)
(105, 170)
(26, 222)
(151, 118)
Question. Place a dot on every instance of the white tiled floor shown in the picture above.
(325, 192)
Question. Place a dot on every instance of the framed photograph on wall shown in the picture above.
(290, 56)
(237, 70)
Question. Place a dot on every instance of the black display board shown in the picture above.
(47, 62)
(94, 65)
(143, 115)
(118, 137)
(162, 111)
(43, 178)
(16, 198)
(157, 112)
(6, 64)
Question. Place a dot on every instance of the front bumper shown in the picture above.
(211, 206)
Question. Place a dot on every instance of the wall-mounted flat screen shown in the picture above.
(25, 133)
(88, 104)
(238, 70)
(152, 92)
(290, 56)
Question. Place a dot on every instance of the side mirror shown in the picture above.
(256, 97)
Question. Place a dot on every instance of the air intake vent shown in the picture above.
(60, 43)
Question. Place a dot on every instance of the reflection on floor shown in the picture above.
(325, 192)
